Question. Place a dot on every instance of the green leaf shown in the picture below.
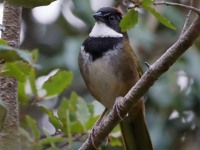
(76, 127)
(51, 139)
(10, 54)
(129, 20)
(161, 18)
(62, 110)
(24, 133)
(82, 112)
(91, 109)
(23, 97)
(58, 82)
(47, 111)
(53, 148)
(18, 70)
(91, 122)
(73, 102)
(30, 3)
(147, 2)
(115, 142)
(32, 81)
(32, 124)
(52, 119)
(3, 42)
(3, 112)
(35, 54)
(55, 122)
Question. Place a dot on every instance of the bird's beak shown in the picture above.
(98, 16)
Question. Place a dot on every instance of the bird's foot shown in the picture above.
(117, 106)
(92, 136)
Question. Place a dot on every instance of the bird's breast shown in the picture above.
(104, 80)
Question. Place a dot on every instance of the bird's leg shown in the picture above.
(92, 133)
(101, 117)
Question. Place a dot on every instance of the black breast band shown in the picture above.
(98, 46)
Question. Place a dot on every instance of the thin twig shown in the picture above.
(186, 20)
(196, 10)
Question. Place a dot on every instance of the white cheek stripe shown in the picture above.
(102, 30)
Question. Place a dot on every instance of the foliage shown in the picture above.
(30, 3)
(74, 115)
(129, 21)
(131, 18)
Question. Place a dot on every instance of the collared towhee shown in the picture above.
(110, 68)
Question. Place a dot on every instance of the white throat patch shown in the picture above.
(102, 30)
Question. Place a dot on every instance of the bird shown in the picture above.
(110, 68)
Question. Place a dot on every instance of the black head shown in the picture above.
(110, 16)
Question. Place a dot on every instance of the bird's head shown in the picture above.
(107, 23)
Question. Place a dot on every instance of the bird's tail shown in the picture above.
(134, 132)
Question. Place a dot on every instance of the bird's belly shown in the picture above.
(105, 86)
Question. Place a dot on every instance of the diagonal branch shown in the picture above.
(146, 81)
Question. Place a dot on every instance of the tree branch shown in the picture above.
(196, 10)
(9, 135)
(146, 81)
(185, 26)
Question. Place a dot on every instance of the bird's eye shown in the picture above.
(111, 18)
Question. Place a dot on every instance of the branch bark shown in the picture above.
(141, 87)
(9, 135)
(196, 10)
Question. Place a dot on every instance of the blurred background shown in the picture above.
(172, 103)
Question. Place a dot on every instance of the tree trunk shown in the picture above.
(9, 135)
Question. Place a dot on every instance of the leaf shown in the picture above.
(73, 102)
(52, 119)
(32, 124)
(30, 3)
(23, 98)
(62, 110)
(18, 70)
(82, 112)
(115, 142)
(47, 111)
(90, 122)
(147, 2)
(3, 112)
(25, 134)
(50, 139)
(53, 148)
(161, 18)
(32, 81)
(3, 42)
(129, 20)
(10, 54)
(76, 127)
(55, 122)
(35, 54)
(58, 82)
